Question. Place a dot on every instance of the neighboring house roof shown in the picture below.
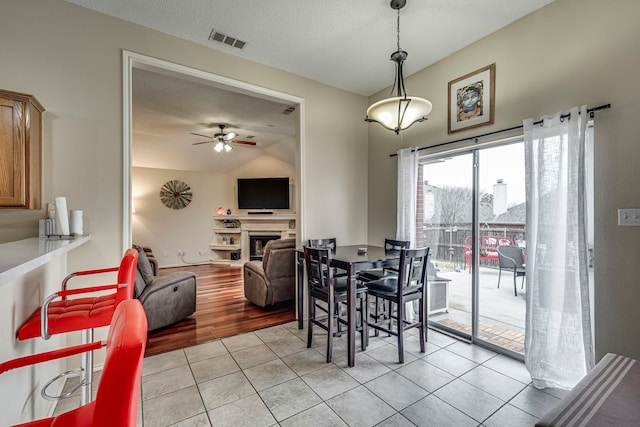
(514, 215)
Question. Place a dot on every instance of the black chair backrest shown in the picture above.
(395, 245)
(316, 262)
(510, 256)
(412, 270)
(328, 243)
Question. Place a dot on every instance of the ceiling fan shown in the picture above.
(222, 139)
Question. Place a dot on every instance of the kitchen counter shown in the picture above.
(23, 256)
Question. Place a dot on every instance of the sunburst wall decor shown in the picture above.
(176, 194)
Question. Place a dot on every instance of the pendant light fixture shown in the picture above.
(399, 112)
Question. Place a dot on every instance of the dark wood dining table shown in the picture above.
(350, 259)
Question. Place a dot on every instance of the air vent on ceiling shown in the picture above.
(228, 40)
(289, 110)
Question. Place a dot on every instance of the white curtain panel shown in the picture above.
(407, 190)
(558, 339)
(408, 160)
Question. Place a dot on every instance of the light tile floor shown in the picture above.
(270, 378)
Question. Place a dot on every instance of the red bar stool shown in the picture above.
(81, 314)
(116, 402)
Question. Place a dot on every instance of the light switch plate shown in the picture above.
(629, 217)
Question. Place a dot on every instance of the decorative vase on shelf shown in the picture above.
(220, 211)
(228, 211)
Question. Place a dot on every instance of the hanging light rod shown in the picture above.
(399, 112)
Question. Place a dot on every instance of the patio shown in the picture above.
(501, 313)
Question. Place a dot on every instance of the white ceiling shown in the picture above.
(345, 44)
(166, 109)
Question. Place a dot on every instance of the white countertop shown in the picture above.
(21, 257)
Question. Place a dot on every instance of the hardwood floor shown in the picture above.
(221, 311)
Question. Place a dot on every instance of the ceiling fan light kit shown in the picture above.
(222, 139)
(397, 113)
(222, 146)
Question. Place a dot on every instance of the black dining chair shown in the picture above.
(390, 245)
(327, 243)
(511, 258)
(323, 286)
(408, 285)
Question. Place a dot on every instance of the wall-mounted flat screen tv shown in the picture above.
(263, 193)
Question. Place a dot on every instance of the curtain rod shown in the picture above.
(589, 110)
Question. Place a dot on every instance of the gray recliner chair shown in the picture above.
(273, 279)
(166, 298)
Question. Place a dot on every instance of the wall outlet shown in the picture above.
(164, 253)
(629, 217)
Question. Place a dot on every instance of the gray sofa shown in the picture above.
(166, 298)
(273, 279)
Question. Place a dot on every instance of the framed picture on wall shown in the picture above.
(471, 99)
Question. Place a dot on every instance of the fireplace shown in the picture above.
(257, 244)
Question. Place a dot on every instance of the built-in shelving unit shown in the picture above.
(240, 228)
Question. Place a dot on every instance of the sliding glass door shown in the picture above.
(474, 202)
(448, 219)
(501, 246)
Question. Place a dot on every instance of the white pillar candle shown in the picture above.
(76, 224)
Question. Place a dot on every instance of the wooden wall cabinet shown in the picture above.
(20, 151)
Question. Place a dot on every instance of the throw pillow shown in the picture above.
(144, 266)
(140, 285)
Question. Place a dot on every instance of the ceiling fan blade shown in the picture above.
(245, 142)
(200, 134)
(202, 142)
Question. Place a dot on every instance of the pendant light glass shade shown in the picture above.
(399, 112)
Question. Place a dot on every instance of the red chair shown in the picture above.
(116, 402)
(82, 314)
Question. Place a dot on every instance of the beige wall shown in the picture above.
(168, 230)
(571, 52)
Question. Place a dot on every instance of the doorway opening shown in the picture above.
(133, 61)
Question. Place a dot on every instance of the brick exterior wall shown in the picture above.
(420, 208)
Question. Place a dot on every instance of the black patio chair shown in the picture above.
(511, 258)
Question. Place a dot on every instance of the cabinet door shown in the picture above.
(12, 154)
(20, 151)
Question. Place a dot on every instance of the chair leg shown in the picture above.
(400, 314)
(312, 315)
(364, 315)
(377, 317)
(390, 312)
(422, 329)
(499, 276)
(86, 369)
(330, 318)
(515, 287)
